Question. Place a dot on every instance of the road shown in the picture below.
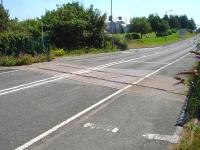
(99, 102)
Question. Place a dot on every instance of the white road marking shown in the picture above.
(64, 123)
(147, 62)
(115, 130)
(169, 138)
(9, 72)
(56, 78)
(93, 126)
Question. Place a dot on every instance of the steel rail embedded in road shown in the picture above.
(64, 123)
(56, 78)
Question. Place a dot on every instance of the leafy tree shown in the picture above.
(154, 21)
(183, 21)
(140, 25)
(71, 26)
(174, 22)
(95, 27)
(66, 25)
(166, 18)
(4, 18)
(163, 27)
(32, 26)
(192, 24)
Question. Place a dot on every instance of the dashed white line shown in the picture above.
(64, 123)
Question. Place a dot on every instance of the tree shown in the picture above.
(4, 18)
(166, 18)
(183, 20)
(154, 21)
(71, 26)
(158, 25)
(174, 22)
(140, 25)
(32, 26)
(192, 24)
(95, 28)
(163, 28)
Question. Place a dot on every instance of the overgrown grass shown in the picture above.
(190, 138)
(23, 60)
(89, 51)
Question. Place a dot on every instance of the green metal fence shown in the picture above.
(12, 46)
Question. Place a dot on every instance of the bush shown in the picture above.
(174, 30)
(169, 32)
(15, 44)
(121, 43)
(58, 52)
(22, 60)
(8, 61)
(161, 34)
(132, 36)
(194, 95)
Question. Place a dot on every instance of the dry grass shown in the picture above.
(190, 138)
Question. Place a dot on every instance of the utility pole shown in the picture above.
(2, 2)
(42, 26)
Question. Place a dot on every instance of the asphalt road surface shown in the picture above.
(117, 101)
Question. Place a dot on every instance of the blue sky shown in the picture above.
(24, 9)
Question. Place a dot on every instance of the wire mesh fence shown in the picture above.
(14, 46)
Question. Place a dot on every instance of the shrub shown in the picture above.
(169, 32)
(161, 34)
(121, 43)
(174, 30)
(58, 52)
(24, 60)
(8, 61)
(132, 36)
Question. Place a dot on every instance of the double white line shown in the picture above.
(69, 120)
(56, 78)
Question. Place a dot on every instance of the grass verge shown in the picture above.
(190, 138)
(153, 41)
(22, 60)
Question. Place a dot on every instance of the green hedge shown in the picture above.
(15, 44)
(132, 36)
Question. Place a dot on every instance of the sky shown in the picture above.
(24, 9)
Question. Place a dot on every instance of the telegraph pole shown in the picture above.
(2, 2)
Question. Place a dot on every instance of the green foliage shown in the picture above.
(132, 36)
(32, 26)
(186, 23)
(154, 21)
(174, 22)
(163, 28)
(4, 19)
(58, 52)
(194, 95)
(191, 137)
(121, 43)
(140, 25)
(15, 44)
(73, 27)
(22, 60)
